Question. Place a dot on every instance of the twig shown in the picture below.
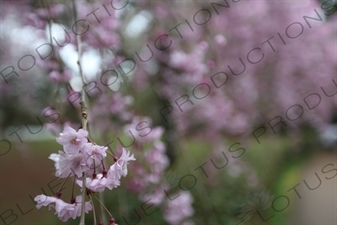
(103, 214)
(93, 208)
(83, 112)
(103, 206)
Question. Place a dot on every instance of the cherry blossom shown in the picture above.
(100, 182)
(70, 164)
(120, 166)
(179, 209)
(72, 140)
(95, 154)
(81, 157)
(51, 202)
(73, 210)
(63, 210)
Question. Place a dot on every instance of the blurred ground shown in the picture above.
(319, 206)
(24, 174)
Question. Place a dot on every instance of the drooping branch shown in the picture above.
(84, 115)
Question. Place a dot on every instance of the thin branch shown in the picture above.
(103, 214)
(83, 113)
(103, 206)
(93, 208)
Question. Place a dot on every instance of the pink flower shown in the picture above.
(99, 183)
(51, 202)
(157, 196)
(140, 127)
(179, 209)
(73, 210)
(53, 128)
(66, 164)
(54, 11)
(119, 168)
(55, 76)
(137, 184)
(72, 140)
(58, 77)
(63, 210)
(62, 164)
(95, 154)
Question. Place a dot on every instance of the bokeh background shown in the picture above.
(240, 97)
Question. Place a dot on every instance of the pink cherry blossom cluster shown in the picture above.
(253, 91)
(63, 209)
(177, 211)
(152, 151)
(81, 157)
